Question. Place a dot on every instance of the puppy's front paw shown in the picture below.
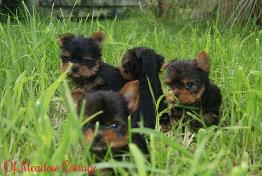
(211, 119)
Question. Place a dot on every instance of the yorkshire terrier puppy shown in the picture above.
(88, 71)
(144, 64)
(115, 107)
(189, 83)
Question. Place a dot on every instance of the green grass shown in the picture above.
(37, 118)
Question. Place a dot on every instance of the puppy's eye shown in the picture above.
(127, 67)
(114, 125)
(189, 85)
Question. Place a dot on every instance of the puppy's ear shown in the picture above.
(130, 92)
(129, 67)
(64, 38)
(203, 61)
(98, 37)
(77, 95)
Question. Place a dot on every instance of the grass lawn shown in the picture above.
(38, 123)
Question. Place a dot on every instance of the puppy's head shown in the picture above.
(113, 121)
(139, 62)
(83, 53)
(187, 79)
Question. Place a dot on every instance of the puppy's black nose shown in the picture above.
(74, 69)
(98, 139)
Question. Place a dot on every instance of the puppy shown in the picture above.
(190, 84)
(88, 71)
(144, 64)
(113, 120)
